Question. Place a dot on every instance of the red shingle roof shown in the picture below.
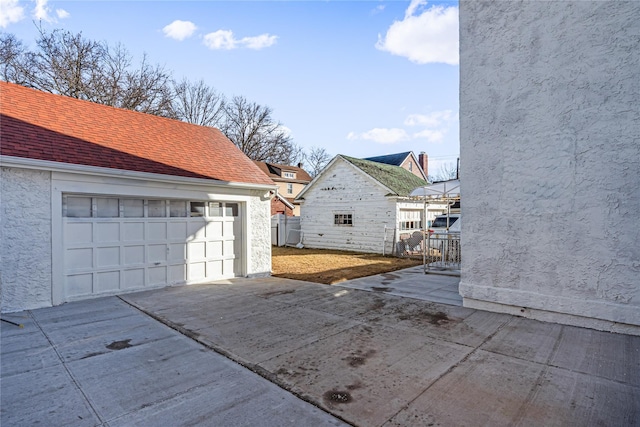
(43, 126)
(274, 170)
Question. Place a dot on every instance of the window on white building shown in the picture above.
(343, 219)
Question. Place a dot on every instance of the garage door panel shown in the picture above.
(107, 281)
(158, 275)
(79, 233)
(177, 252)
(214, 249)
(79, 284)
(134, 255)
(197, 250)
(133, 279)
(197, 270)
(197, 228)
(107, 232)
(79, 258)
(157, 231)
(177, 274)
(214, 229)
(133, 231)
(228, 247)
(157, 253)
(178, 230)
(108, 256)
(227, 267)
(228, 228)
(214, 268)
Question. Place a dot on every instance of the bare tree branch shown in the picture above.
(198, 103)
(317, 160)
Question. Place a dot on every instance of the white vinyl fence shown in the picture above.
(285, 230)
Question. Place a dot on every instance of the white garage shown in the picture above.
(98, 201)
(115, 244)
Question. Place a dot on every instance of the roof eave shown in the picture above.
(27, 163)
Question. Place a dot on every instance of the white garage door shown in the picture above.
(114, 244)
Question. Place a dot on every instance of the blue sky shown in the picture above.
(361, 78)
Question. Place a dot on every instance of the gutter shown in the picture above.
(26, 163)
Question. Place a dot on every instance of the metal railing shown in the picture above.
(443, 251)
(439, 251)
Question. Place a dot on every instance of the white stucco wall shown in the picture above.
(25, 239)
(550, 149)
(259, 239)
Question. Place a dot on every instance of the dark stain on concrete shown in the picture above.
(93, 354)
(268, 295)
(359, 359)
(119, 345)
(378, 304)
(354, 386)
(381, 289)
(438, 318)
(337, 396)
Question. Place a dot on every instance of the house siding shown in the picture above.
(549, 144)
(343, 189)
(25, 239)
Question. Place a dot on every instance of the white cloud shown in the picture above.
(10, 12)
(259, 42)
(433, 127)
(224, 39)
(433, 136)
(221, 39)
(435, 119)
(424, 36)
(179, 30)
(381, 135)
(41, 11)
(378, 9)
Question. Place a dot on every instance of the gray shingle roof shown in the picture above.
(397, 179)
(391, 159)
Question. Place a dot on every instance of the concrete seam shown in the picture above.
(536, 385)
(64, 365)
(253, 367)
(448, 371)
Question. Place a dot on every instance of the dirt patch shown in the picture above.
(330, 267)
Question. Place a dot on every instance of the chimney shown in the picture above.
(300, 165)
(423, 160)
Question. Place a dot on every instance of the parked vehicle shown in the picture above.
(439, 224)
(439, 231)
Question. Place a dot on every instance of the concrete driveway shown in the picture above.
(368, 358)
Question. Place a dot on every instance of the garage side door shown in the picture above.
(113, 245)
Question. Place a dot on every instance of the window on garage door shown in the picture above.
(110, 207)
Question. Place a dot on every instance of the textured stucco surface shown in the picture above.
(25, 239)
(259, 239)
(550, 148)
